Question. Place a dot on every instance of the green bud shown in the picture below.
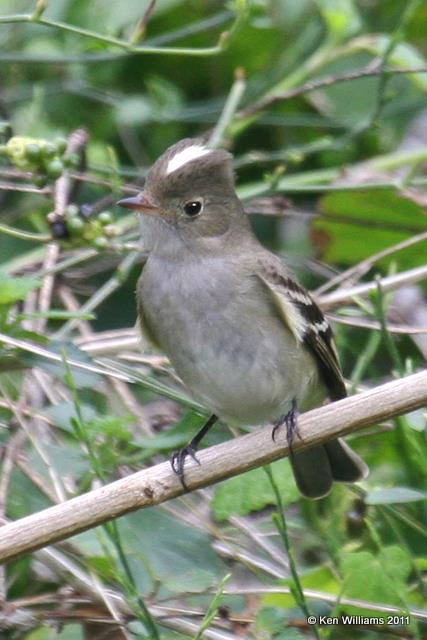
(54, 168)
(71, 160)
(105, 217)
(33, 152)
(48, 150)
(100, 242)
(75, 225)
(72, 210)
(61, 145)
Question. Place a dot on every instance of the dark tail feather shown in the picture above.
(312, 472)
(316, 468)
(346, 465)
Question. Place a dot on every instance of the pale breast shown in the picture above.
(224, 339)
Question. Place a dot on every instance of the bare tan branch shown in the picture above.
(157, 484)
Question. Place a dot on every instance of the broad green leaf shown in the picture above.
(82, 378)
(179, 556)
(355, 225)
(62, 413)
(387, 571)
(252, 491)
(394, 495)
(14, 289)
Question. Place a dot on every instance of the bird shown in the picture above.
(246, 339)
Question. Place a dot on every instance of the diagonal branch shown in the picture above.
(157, 484)
(324, 82)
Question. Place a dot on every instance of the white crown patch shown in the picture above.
(186, 155)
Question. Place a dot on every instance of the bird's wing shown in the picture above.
(304, 319)
(148, 341)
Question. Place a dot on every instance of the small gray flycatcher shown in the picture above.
(246, 339)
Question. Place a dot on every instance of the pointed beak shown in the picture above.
(141, 204)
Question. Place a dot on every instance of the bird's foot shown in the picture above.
(290, 421)
(178, 460)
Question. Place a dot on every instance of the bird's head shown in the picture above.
(189, 192)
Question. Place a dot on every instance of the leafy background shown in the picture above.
(331, 176)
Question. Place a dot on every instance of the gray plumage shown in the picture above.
(242, 334)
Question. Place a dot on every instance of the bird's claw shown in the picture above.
(178, 461)
(290, 420)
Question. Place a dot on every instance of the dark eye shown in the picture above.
(193, 208)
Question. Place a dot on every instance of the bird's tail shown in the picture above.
(316, 468)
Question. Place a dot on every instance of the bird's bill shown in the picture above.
(141, 204)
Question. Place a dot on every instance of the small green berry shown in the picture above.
(72, 210)
(61, 145)
(54, 168)
(75, 225)
(33, 152)
(100, 242)
(48, 150)
(105, 217)
(71, 160)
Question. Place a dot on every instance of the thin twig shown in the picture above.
(222, 42)
(282, 527)
(326, 597)
(321, 83)
(372, 324)
(102, 293)
(141, 27)
(395, 38)
(32, 436)
(230, 107)
(358, 270)
(389, 283)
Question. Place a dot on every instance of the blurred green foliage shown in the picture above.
(351, 157)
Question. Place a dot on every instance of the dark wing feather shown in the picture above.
(316, 333)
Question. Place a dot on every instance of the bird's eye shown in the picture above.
(193, 208)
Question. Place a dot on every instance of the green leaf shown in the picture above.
(341, 17)
(179, 556)
(377, 219)
(404, 55)
(319, 579)
(252, 491)
(82, 378)
(394, 495)
(271, 620)
(14, 289)
(387, 571)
